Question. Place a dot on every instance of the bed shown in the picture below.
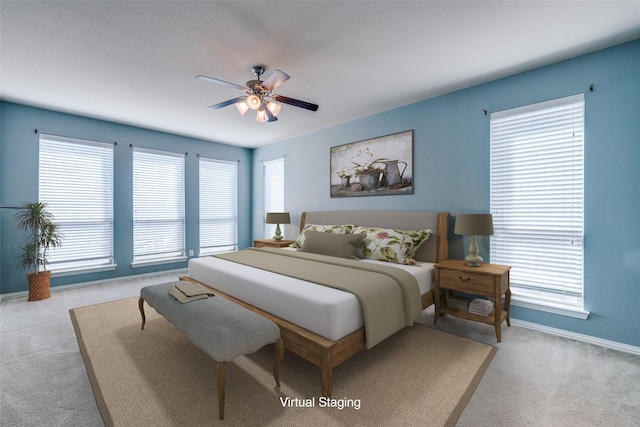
(322, 325)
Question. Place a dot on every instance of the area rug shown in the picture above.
(155, 377)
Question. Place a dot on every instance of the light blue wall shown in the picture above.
(451, 172)
(19, 183)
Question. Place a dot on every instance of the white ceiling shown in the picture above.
(135, 62)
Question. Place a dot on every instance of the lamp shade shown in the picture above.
(278, 218)
(474, 224)
(254, 102)
(242, 107)
(274, 108)
(261, 115)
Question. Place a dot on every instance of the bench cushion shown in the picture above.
(223, 329)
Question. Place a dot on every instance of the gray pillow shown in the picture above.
(338, 245)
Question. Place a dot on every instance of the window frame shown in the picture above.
(537, 202)
(273, 179)
(77, 186)
(149, 193)
(216, 210)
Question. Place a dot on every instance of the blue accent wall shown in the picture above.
(19, 183)
(451, 173)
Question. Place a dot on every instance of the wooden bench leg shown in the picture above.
(278, 361)
(221, 373)
(141, 307)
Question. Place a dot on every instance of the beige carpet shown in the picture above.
(156, 377)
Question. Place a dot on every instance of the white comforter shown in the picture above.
(329, 312)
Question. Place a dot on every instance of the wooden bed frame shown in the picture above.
(326, 353)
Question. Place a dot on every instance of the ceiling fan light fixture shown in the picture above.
(258, 95)
(274, 108)
(261, 116)
(242, 107)
(254, 102)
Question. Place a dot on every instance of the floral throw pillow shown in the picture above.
(392, 245)
(335, 229)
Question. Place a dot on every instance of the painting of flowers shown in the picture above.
(373, 167)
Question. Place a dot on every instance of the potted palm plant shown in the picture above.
(43, 235)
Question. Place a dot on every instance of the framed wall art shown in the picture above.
(373, 167)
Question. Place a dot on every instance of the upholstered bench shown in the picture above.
(222, 329)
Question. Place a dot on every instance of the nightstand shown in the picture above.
(270, 243)
(490, 280)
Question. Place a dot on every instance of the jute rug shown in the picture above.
(155, 377)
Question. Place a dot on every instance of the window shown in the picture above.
(76, 183)
(218, 206)
(158, 207)
(273, 191)
(537, 202)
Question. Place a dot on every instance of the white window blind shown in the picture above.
(537, 200)
(218, 206)
(158, 206)
(273, 191)
(76, 183)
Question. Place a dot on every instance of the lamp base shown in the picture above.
(473, 261)
(278, 236)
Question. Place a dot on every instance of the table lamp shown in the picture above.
(474, 225)
(278, 218)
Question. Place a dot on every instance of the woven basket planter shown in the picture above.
(39, 285)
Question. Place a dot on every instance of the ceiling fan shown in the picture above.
(259, 95)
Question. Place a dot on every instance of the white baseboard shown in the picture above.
(21, 294)
(578, 337)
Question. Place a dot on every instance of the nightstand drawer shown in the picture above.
(481, 284)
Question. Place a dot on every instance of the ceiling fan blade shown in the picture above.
(220, 82)
(274, 80)
(226, 103)
(295, 102)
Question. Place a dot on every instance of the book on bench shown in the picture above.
(187, 292)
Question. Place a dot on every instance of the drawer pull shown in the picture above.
(464, 279)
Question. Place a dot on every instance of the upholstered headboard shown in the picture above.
(435, 249)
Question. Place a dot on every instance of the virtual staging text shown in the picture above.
(321, 402)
